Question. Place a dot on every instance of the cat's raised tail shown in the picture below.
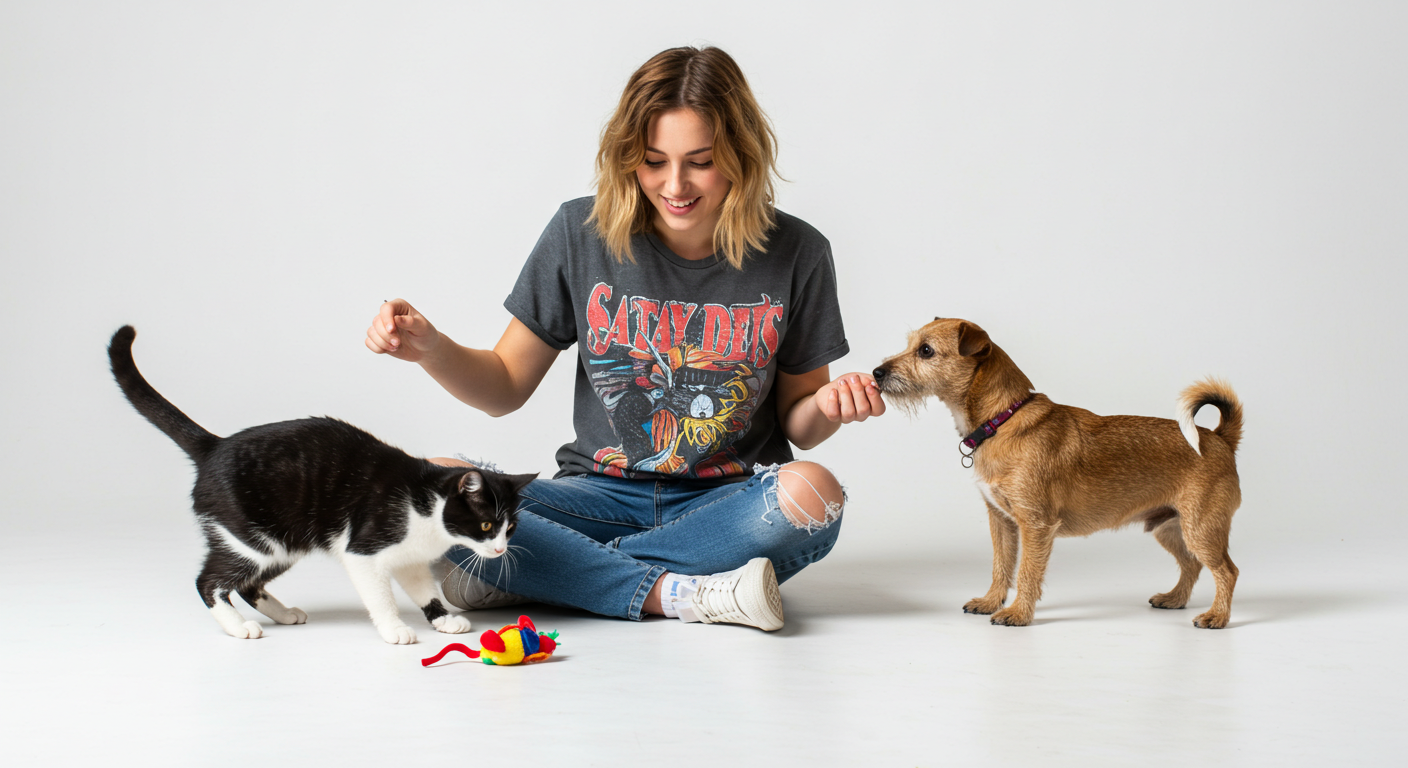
(194, 439)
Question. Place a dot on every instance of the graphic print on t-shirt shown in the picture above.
(679, 381)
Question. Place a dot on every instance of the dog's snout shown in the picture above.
(879, 374)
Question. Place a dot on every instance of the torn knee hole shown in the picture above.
(809, 502)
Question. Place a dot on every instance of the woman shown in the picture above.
(705, 321)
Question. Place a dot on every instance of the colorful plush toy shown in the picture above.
(515, 644)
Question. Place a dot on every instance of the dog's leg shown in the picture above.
(1004, 563)
(1170, 535)
(1209, 545)
(420, 587)
(1037, 538)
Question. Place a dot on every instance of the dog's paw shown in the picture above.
(397, 635)
(1168, 600)
(982, 605)
(1011, 617)
(1211, 620)
(452, 625)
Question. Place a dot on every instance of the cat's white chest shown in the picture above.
(425, 539)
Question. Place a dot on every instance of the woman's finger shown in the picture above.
(877, 403)
(861, 402)
(848, 406)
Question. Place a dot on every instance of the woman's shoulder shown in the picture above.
(792, 234)
(577, 211)
(569, 230)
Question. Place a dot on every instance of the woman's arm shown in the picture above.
(811, 407)
(497, 381)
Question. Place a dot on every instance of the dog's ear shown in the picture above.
(973, 341)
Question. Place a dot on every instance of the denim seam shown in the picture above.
(570, 513)
(691, 513)
(740, 489)
(806, 558)
(647, 583)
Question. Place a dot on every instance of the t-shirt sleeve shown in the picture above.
(542, 298)
(815, 335)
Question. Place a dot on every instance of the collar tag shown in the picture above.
(983, 432)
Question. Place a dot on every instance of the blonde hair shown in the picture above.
(708, 81)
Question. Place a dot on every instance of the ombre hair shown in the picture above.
(708, 81)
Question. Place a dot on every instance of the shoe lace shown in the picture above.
(716, 598)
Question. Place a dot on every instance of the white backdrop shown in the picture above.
(1127, 196)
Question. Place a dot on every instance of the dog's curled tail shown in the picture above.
(192, 437)
(1216, 392)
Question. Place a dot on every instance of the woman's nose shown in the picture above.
(676, 183)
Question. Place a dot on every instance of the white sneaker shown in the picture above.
(748, 596)
(469, 593)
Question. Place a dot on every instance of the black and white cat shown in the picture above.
(269, 495)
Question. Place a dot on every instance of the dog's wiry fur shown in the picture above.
(1055, 470)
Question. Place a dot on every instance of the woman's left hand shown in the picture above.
(851, 397)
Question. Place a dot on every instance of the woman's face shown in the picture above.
(680, 179)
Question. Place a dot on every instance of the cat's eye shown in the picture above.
(486, 526)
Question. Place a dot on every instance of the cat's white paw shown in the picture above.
(250, 630)
(398, 635)
(288, 616)
(278, 612)
(452, 625)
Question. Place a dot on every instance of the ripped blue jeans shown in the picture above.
(600, 543)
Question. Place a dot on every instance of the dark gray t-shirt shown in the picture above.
(676, 358)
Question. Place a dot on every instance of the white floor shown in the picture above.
(112, 660)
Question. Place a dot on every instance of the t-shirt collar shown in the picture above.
(678, 260)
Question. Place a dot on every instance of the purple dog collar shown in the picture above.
(987, 430)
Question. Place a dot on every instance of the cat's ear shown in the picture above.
(521, 481)
(471, 481)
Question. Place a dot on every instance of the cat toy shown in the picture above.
(514, 644)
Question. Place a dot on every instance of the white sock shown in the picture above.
(675, 591)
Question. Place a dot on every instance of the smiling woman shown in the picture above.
(687, 131)
(685, 187)
(705, 321)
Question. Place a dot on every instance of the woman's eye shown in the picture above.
(709, 164)
(654, 163)
(486, 526)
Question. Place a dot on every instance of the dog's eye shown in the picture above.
(486, 526)
(926, 351)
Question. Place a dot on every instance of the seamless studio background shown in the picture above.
(1126, 196)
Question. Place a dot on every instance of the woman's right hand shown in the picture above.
(402, 332)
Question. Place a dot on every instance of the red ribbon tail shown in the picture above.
(461, 647)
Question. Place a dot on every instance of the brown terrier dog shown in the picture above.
(1053, 470)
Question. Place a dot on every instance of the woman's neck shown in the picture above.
(691, 245)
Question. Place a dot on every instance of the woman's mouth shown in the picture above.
(680, 207)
